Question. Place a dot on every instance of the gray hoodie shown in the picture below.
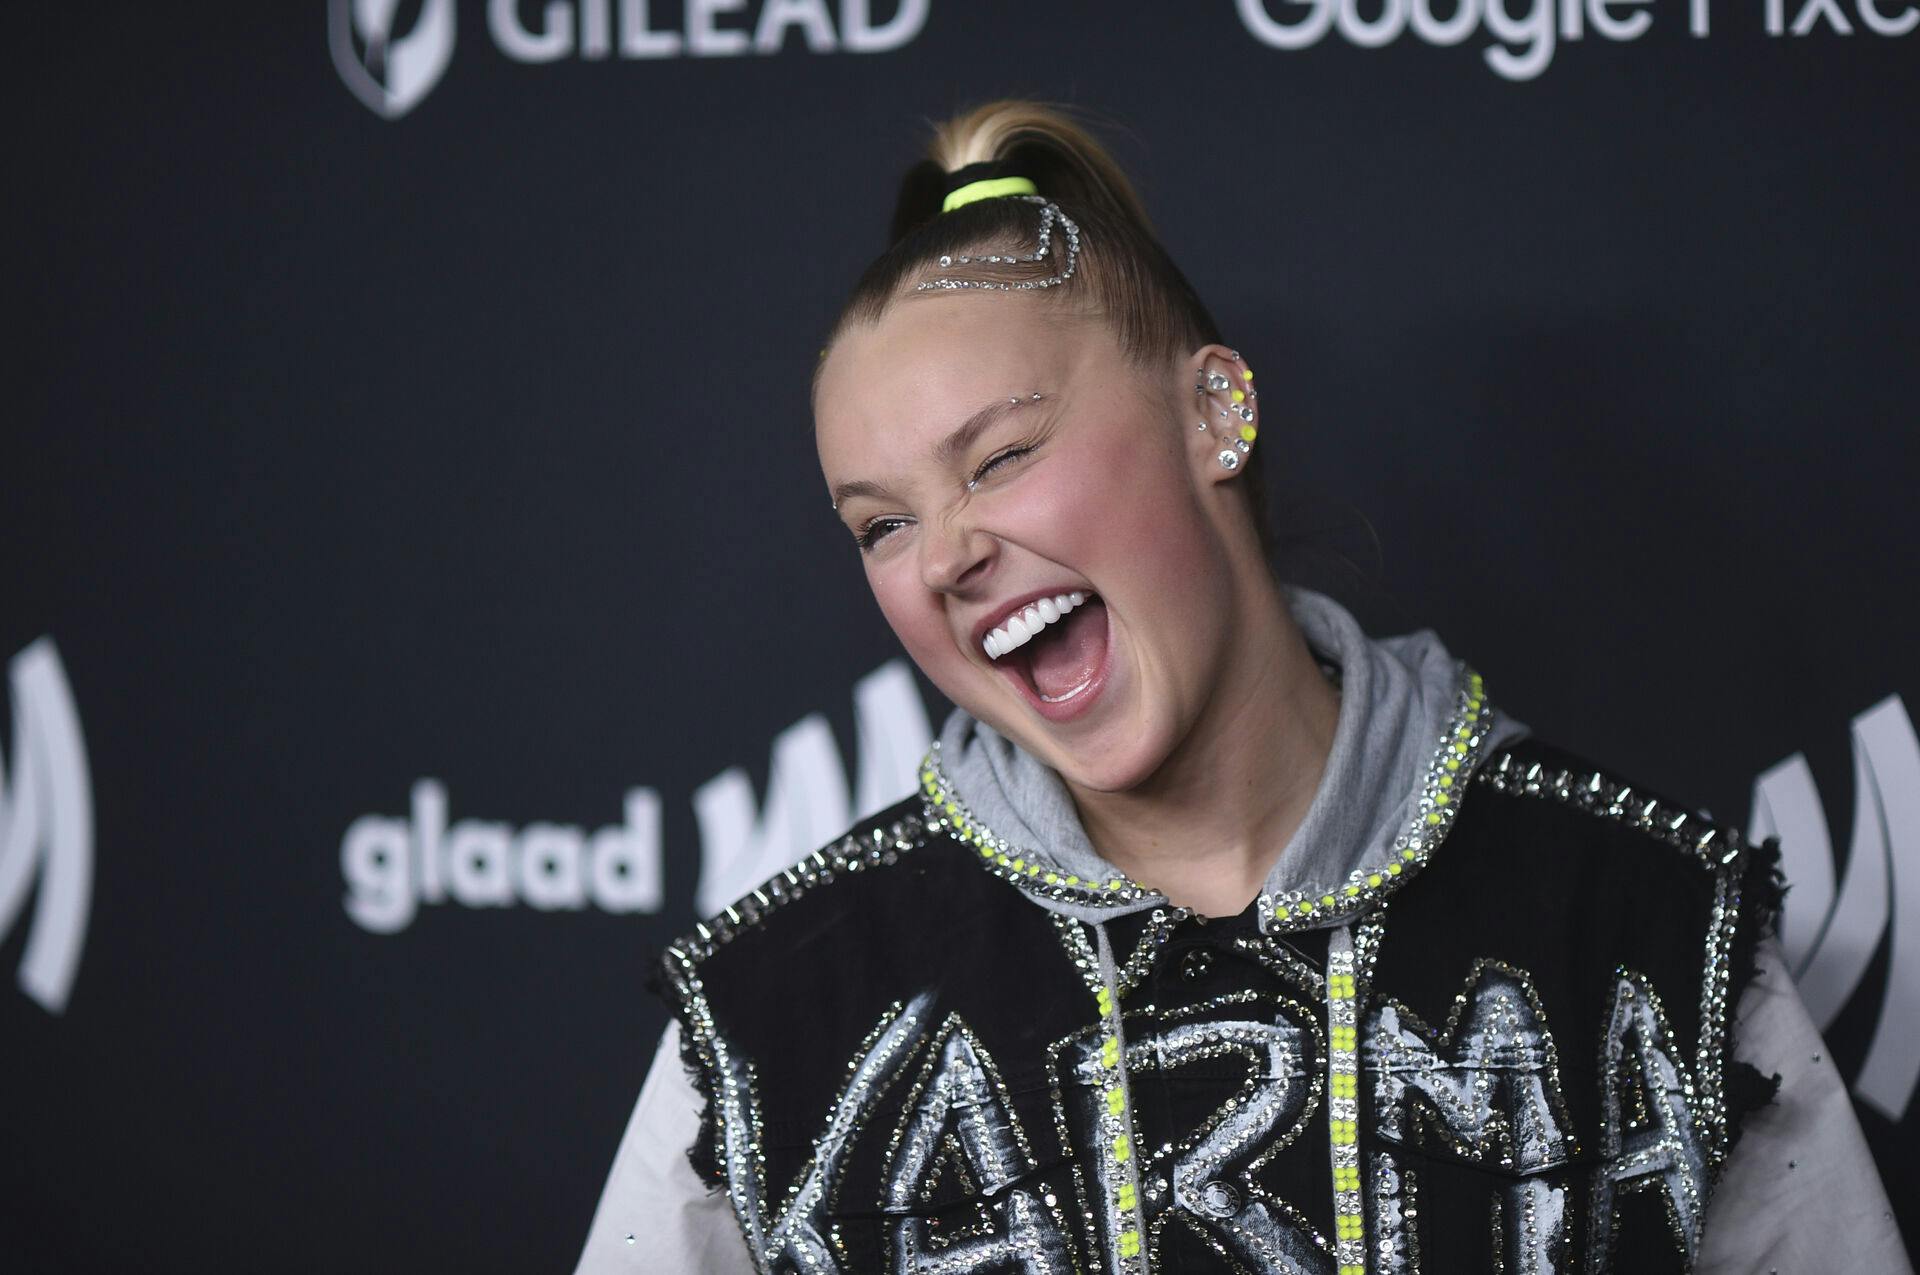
(1396, 696)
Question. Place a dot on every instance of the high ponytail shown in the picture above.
(1025, 139)
(1123, 273)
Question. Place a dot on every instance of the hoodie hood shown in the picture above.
(1413, 723)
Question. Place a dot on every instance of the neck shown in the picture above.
(1207, 827)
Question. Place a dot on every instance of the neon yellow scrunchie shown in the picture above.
(991, 188)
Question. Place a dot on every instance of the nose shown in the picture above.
(955, 556)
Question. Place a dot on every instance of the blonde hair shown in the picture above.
(1123, 274)
(987, 133)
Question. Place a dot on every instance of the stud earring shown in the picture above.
(1202, 426)
(1216, 382)
(1229, 459)
(1244, 412)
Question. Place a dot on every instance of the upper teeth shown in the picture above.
(1022, 625)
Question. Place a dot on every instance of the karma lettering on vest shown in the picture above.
(1486, 1090)
(1208, 1182)
(960, 1123)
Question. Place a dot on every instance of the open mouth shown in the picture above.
(1055, 649)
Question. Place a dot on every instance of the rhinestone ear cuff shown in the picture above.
(1239, 392)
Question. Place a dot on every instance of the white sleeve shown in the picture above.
(655, 1214)
(1800, 1191)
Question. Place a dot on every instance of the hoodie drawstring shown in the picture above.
(1120, 1172)
(1343, 1106)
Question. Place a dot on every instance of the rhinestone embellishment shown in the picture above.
(1050, 216)
(1448, 770)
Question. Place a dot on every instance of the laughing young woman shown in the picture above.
(1222, 937)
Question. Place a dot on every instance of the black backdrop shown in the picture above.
(344, 452)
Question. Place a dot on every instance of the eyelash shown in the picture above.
(994, 461)
(875, 531)
(872, 533)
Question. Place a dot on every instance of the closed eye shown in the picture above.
(999, 460)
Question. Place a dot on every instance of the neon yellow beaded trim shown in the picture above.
(1115, 1130)
(1025, 867)
(1343, 1108)
(1456, 750)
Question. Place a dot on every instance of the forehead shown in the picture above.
(930, 362)
(952, 341)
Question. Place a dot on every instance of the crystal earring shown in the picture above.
(1229, 459)
(1217, 382)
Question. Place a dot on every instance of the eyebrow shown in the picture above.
(945, 451)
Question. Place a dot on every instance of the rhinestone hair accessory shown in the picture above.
(1050, 217)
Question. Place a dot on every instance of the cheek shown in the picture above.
(1128, 513)
(913, 612)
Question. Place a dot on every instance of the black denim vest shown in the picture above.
(1510, 1054)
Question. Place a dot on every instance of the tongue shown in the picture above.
(1069, 652)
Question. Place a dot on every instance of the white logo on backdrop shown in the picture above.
(394, 865)
(1526, 32)
(587, 30)
(390, 72)
(1830, 940)
(807, 803)
(46, 826)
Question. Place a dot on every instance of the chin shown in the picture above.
(1112, 761)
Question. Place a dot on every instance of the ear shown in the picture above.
(1224, 419)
